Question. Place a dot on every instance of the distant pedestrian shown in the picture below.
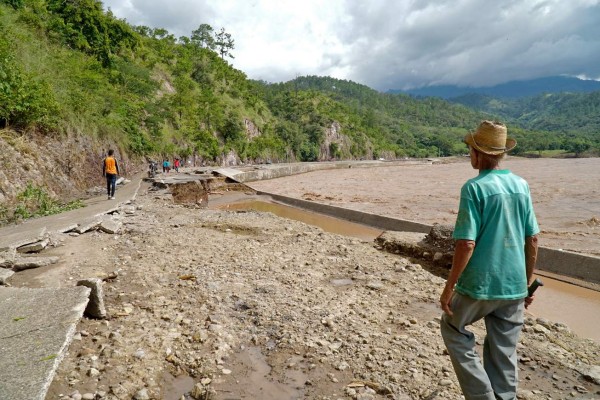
(166, 166)
(110, 170)
(176, 164)
(496, 250)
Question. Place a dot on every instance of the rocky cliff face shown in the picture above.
(335, 145)
(65, 166)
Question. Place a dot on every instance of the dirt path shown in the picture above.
(566, 194)
(246, 305)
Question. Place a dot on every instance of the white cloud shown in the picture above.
(389, 44)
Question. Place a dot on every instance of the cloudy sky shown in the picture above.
(392, 44)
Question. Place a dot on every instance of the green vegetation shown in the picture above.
(564, 123)
(68, 66)
(34, 202)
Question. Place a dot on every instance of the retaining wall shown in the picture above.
(574, 265)
(280, 170)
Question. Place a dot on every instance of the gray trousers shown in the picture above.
(497, 377)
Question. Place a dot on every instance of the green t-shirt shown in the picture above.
(496, 212)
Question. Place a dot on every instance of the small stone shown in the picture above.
(139, 354)
(205, 381)
(343, 366)
(93, 372)
(198, 391)
(88, 396)
(142, 394)
(445, 382)
(226, 371)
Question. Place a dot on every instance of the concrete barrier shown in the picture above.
(273, 171)
(574, 265)
(372, 220)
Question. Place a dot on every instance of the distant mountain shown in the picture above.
(555, 112)
(513, 89)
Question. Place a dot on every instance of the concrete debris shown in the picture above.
(23, 263)
(7, 258)
(88, 225)
(18, 239)
(95, 307)
(4, 275)
(417, 245)
(110, 226)
(34, 247)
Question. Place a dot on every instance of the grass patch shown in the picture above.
(34, 201)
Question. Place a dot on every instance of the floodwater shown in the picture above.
(325, 222)
(251, 378)
(557, 301)
(575, 306)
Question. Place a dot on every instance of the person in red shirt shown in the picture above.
(110, 170)
(176, 164)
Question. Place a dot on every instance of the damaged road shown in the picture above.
(214, 304)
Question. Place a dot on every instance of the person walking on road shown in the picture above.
(110, 170)
(495, 255)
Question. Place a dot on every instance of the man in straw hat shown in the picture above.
(495, 254)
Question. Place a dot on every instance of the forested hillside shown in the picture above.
(75, 80)
(568, 121)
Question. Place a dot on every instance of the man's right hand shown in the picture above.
(445, 299)
(529, 300)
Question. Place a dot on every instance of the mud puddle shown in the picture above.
(175, 387)
(253, 378)
(328, 224)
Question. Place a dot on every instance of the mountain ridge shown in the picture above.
(511, 89)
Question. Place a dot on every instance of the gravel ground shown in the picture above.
(213, 304)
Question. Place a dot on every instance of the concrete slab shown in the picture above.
(12, 240)
(88, 224)
(34, 247)
(110, 226)
(5, 274)
(36, 327)
(23, 263)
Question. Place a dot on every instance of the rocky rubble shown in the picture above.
(190, 294)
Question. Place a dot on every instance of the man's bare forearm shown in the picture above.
(531, 250)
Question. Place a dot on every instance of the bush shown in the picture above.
(34, 201)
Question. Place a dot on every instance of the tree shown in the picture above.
(224, 43)
(203, 37)
(577, 146)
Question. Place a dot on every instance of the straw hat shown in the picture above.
(490, 138)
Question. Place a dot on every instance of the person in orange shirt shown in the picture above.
(110, 170)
